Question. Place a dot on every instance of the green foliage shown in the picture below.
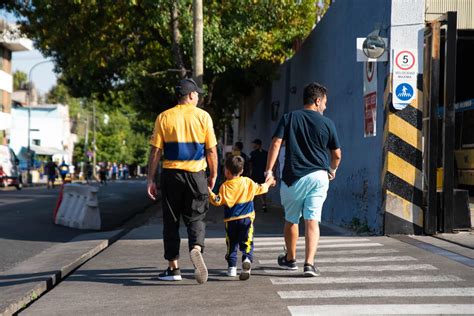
(20, 78)
(115, 48)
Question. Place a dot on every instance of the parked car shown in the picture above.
(9, 171)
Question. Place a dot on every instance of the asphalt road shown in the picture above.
(27, 228)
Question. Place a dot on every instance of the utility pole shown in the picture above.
(28, 102)
(198, 46)
(94, 147)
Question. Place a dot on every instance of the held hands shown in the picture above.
(211, 182)
(269, 178)
(332, 174)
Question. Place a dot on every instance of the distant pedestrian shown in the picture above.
(185, 136)
(114, 171)
(63, 170)
(103, 171)
(257, 164)
(306, 173)
(237, 150)
(89, 172)
(125, 172)
(237, 194)
(51, 168)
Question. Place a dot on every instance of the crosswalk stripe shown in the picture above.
(259, 248)
(372, 268)
(368, 279)
(404, 292)
(351, 259)
(301, 241)
(382, 309)
(337, 252)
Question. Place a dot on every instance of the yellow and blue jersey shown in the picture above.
(183, 133)
(237, 196)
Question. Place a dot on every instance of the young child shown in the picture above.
(237, 194)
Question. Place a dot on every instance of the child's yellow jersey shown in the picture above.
(237, 196)
(184, 132)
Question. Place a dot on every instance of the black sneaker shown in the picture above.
(310, 270)
(287, 264)
(170, 275)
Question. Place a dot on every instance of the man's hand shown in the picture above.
(152, 190)
(211, 182)
(332, 174)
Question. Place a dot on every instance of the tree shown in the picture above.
(20, 78)
(141, 48)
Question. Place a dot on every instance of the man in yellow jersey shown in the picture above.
(184, 135)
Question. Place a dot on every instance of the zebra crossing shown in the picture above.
(363, 276)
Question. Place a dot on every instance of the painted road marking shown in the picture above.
(382, 309)
(301, 241)
(404, 292)
(368, 279)
(378, 268)
(337, 252)
(323, 246)
(353, 259)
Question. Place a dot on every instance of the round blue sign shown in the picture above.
(404, 92)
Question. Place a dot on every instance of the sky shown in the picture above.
(43, 76)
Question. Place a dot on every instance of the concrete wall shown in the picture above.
(329, 57)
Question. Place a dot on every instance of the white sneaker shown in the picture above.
(232, 271)
(246, 267)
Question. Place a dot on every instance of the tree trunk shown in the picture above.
(177, 56)
(198, 45)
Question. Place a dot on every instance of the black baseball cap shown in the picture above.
(257, 141)
(186, 86)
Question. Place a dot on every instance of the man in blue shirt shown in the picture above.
(310, 139)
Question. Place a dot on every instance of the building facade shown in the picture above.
(381, 181)
(10, 41)
(50, 132)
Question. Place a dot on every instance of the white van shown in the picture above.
(9, 171)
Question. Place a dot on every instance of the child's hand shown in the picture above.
(271, 181)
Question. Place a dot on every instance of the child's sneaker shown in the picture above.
(232, 271)
(310, 270)
(200, 269)
(285, 263)
(246, 267)
(170, 275)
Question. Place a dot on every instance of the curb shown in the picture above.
(50, 279)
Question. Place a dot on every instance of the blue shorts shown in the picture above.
(305, 197)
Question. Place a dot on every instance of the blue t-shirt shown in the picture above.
(308, 136)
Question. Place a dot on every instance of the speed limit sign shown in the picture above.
(405, 60)
(405, 72)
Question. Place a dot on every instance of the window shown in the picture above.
(37, 142)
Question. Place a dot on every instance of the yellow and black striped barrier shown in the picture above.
(402, 175)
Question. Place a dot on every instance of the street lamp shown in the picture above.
(28, 99)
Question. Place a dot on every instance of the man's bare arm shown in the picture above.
(272, 156)
(336, 156)
(211, 157)
(153, 161)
